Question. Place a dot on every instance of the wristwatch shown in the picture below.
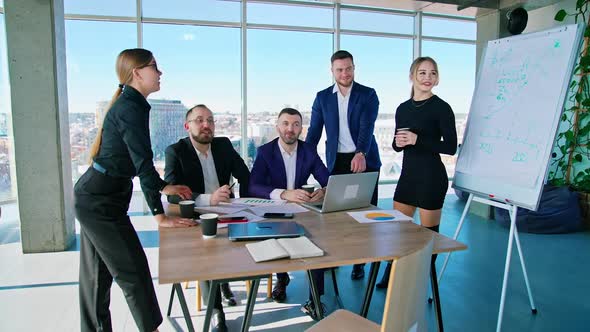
(361, 152)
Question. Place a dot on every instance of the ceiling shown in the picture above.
(468, 8)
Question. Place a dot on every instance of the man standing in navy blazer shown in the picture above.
(281, 167)
(348, 111)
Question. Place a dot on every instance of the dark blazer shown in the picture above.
(184, 167)
(268, 172)
(363, 106)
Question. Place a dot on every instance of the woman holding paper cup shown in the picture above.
(425, 128)
(109, 245)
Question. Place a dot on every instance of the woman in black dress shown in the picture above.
(425, 128)
(109, 246)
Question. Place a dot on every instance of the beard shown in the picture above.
(345, 82)
(292, 139)
(203, 139)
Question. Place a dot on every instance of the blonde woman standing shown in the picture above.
(109, 246)
(425, 128)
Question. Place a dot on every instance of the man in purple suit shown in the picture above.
(281, 167)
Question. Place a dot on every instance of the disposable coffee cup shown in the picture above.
(209, 225)
(308, 187)
(187, 209)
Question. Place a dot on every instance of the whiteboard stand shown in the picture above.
(513, 235)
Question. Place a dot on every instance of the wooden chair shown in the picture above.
(198, 288)
(405, 307)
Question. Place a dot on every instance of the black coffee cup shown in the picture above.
(209, 225)
(187, 209)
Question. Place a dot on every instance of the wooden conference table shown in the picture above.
(185, 255)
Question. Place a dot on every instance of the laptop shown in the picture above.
(346, 192)
(264, 230)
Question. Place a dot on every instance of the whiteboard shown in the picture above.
(515, 113)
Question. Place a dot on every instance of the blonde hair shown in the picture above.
(127, 60)
(414, 69)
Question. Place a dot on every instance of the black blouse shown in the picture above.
(126, 149)
(430, 119)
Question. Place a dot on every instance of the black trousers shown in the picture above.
(342, 166)
(318, 279)
(110, 250)
(205, 289)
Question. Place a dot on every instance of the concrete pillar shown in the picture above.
(35, 34)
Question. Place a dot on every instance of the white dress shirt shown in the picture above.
(290, 160)
(209, 177)
(345, 142)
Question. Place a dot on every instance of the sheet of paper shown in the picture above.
(373, 216)
(285, 208)
(226, 208)
(266, 250)
(257, 201)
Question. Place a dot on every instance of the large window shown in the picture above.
(7, 169)
(200, 65)
(376, 22)
(287, 61)
(285, 69)
(210, 10)
(383, 63)
(101, 7)
(91, 52)
(263, 13)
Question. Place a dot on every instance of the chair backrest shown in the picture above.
(405, 304)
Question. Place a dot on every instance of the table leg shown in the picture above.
(250, 305)
(211, 303)
(315, 296)
(187, 316)
(370, 287)
(171, 300)
(436, 297)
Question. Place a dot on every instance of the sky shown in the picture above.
(202, 64)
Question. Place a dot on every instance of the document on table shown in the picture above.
(257, 201)
(285, 208)
(373, 216)
(225, 208)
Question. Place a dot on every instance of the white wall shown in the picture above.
(542, 18)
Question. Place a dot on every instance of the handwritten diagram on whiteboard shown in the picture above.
(515, 108)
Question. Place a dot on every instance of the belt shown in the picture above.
(99, 168)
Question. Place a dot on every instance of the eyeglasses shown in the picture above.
(155, 65)
(200, 121)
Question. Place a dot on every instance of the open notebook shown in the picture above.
(298, 247)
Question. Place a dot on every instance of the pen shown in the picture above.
(232, 185)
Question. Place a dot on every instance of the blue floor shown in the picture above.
(558, 267)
